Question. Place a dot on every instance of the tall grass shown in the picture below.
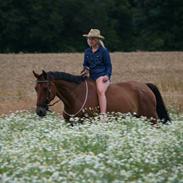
(165, 69)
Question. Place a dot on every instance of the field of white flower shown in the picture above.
(122, 150)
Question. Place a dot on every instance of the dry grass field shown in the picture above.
(165, 69)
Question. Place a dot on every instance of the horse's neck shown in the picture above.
(68, 92)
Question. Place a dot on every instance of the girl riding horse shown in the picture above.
(97, 63)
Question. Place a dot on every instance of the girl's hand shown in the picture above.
(84, 72)
(105, 78)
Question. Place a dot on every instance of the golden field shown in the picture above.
(165, 69)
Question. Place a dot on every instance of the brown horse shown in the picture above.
(79, 96)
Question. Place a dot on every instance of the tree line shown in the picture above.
(58, 25)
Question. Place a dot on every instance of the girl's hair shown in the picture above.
(88, 42)
(100, 42)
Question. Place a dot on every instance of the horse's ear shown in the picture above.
(35, 74)
(44, 74)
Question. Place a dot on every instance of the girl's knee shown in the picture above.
(100, 91)
(101, 86)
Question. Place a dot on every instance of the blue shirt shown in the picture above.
(98, 63)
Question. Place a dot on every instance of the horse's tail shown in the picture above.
(160, 106)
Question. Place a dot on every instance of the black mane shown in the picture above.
(65, 76)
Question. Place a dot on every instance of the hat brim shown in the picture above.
(89, 36)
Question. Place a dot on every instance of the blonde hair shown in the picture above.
(101, 43)
(88, 42)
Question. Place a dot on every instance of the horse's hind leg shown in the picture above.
(148, 109)
(154, 120)
(152, 116)
(147, 105)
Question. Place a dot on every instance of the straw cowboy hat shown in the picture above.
(94, 33)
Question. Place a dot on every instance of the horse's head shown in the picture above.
(46, 92)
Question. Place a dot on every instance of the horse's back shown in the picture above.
(127, 86)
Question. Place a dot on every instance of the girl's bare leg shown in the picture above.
(101, 89)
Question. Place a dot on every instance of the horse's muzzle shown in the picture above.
(41, 111)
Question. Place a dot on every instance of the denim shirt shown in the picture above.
(98, 63)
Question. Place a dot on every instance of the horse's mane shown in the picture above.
(65, 76)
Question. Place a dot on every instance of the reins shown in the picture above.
(54, 103)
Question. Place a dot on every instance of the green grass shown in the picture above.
(122, 150)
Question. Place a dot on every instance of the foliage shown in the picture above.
(122, 150)
(57, 26)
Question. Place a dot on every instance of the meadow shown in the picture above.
(125, 149)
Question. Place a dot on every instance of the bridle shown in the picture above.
(49, 94)
(46, 105)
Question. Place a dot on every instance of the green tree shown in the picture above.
(57, 26)
(158, 24)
